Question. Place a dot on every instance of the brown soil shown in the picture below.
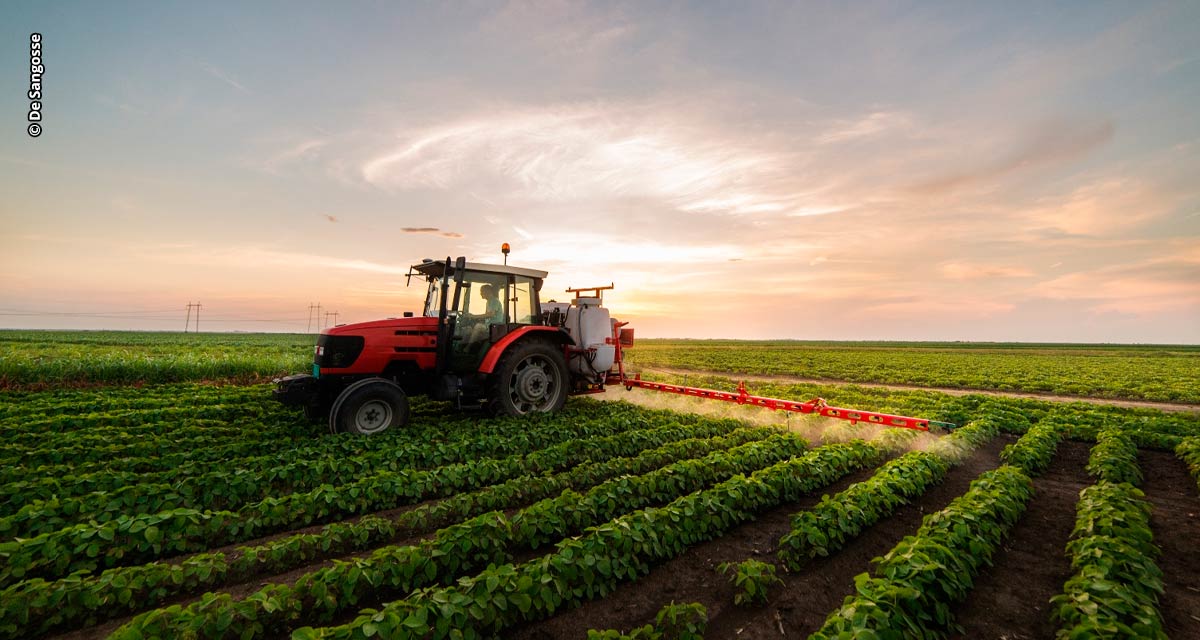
(1175, 523)
(796, 608)
(1049, 397)
(1011, 599)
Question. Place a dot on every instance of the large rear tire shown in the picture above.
(368, 407)
(530, 377)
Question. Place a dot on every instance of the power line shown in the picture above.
(190, 323)
(28, 312)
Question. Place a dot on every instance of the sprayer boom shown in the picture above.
(816, 405)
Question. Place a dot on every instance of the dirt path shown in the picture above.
(1049, 397)
(1011, 599)
(798, 607)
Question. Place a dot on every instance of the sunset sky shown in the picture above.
(935, 171)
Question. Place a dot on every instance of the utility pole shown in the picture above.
(188, 323)
(319, 327)
(311, 308)
(331, 313)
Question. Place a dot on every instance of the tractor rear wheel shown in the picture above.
(368, 407)
(531, 377)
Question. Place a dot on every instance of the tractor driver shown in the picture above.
(495, 311)
(494, 314)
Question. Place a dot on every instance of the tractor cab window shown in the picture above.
(482, 296)
(520, 304)
(480, 305)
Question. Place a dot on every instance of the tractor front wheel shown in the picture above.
(531, 377)
(368, 407)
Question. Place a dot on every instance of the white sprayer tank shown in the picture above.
(591, 328)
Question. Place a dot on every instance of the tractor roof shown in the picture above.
(436, 267)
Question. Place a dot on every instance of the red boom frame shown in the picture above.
(816, 405)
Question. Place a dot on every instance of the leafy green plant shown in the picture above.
(752, 578)
(79, 599)
(591, 565)
(485, 540)
(673, 622)
(1116, 585)
(1034, 451)
(684, 621)
(1189, 451)
(828, 526)
(1114, 457)
(913, 587)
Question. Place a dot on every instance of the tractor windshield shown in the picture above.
(433, 298)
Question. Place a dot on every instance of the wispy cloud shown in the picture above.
(869, 125)
(1047, 144)
(1165, 282)
(589, 151)
(976, 271)
(297, 151)
(217, 73)
(432, 230)
(1105, 206)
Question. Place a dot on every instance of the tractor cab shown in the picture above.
(477, 305)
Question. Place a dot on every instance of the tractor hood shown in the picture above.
(418, 323)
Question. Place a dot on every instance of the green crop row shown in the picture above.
(21, 406)
(592, 565)
(914, 585)
(1189, 451)
(424, 443)
(1167, 374)
(435, 443)
(199, 446)
(1114, 591)
(1034, 451)
(44, 360)
(1114, 457)
(181, 435)
(228, 487)
(136, 539)
(36, 606)
(483, 540)
(828, 526)
(139, 420)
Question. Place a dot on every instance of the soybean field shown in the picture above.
(150, 491)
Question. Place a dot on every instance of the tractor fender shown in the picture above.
(493, 354)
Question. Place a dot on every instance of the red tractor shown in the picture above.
(486, 339)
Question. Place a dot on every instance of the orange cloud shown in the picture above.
(975, 271)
